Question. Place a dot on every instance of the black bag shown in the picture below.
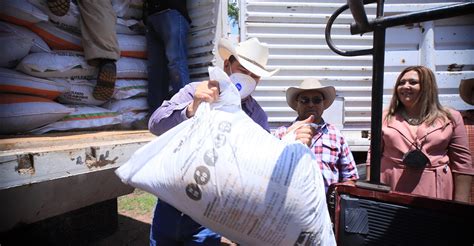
(415, 159)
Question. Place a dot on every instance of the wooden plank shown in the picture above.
(15, 145)
(32, 159)
(30, 168)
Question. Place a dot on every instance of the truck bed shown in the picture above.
(47, 175)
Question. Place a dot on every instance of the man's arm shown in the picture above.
(172, 112)
(460, 159)
(347, 163)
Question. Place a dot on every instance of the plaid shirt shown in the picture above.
(332, 152)
(468, 117)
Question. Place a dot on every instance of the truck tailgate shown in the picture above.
(47, 175)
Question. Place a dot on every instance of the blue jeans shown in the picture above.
(166, 37)
(171, 227)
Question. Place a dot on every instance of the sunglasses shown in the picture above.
(306, 100)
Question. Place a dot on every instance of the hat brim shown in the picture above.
(255, 69)
(328, 92)
(465, 90)
(226, 49)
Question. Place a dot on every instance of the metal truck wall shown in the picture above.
(41, 177)
(294, 31)
(209, 23)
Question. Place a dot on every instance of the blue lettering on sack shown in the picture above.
(239, 86)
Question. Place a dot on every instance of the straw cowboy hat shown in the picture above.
(466, 90)
(251, 54)
(329, 92)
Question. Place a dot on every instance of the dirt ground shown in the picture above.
(94, 226)
(91, 225)
(134, 223)
(131, 231)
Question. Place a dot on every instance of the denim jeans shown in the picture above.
(171, 227)
(166, 37)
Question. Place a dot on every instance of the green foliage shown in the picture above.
(233, 12)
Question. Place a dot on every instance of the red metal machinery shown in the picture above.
(370, 213)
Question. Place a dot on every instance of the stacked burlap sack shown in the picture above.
(45, 82)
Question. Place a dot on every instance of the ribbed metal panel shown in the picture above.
(294, 32)
(390, 224)
(209, 23)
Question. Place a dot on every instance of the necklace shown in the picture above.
(411, 121)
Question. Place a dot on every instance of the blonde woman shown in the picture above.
(424, 145)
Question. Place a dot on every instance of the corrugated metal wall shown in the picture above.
(294, 32)
(209, 23)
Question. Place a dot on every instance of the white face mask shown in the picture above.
(244, 84)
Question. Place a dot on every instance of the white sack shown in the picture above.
(71, 20)
(127, 105)
(131, 109)
(130, 27)
(120, 7)
(12, 81)
(80, 92)
(133, 8)
(21, 12)
(57, 65)
(57, 38)
(126, 88)
(21, 113)
(132, 45)
(38, 43)
(230, 175)
(131, 68)
(13, 49)
(128, 118)
(72, 65)
(83, 118)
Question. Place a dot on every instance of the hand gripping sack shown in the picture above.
(230, 175)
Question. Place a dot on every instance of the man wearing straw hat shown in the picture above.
(245, 64)
(310, 100)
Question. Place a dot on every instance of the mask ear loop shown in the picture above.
(413, 144)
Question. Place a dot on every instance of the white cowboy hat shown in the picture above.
(311, 84)
(466, 90)
(251, 54)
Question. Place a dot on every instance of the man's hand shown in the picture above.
(206, 91)
(304, 132)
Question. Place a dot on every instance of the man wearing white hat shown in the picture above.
(466, 91)
(245, 64)
(310, 100)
